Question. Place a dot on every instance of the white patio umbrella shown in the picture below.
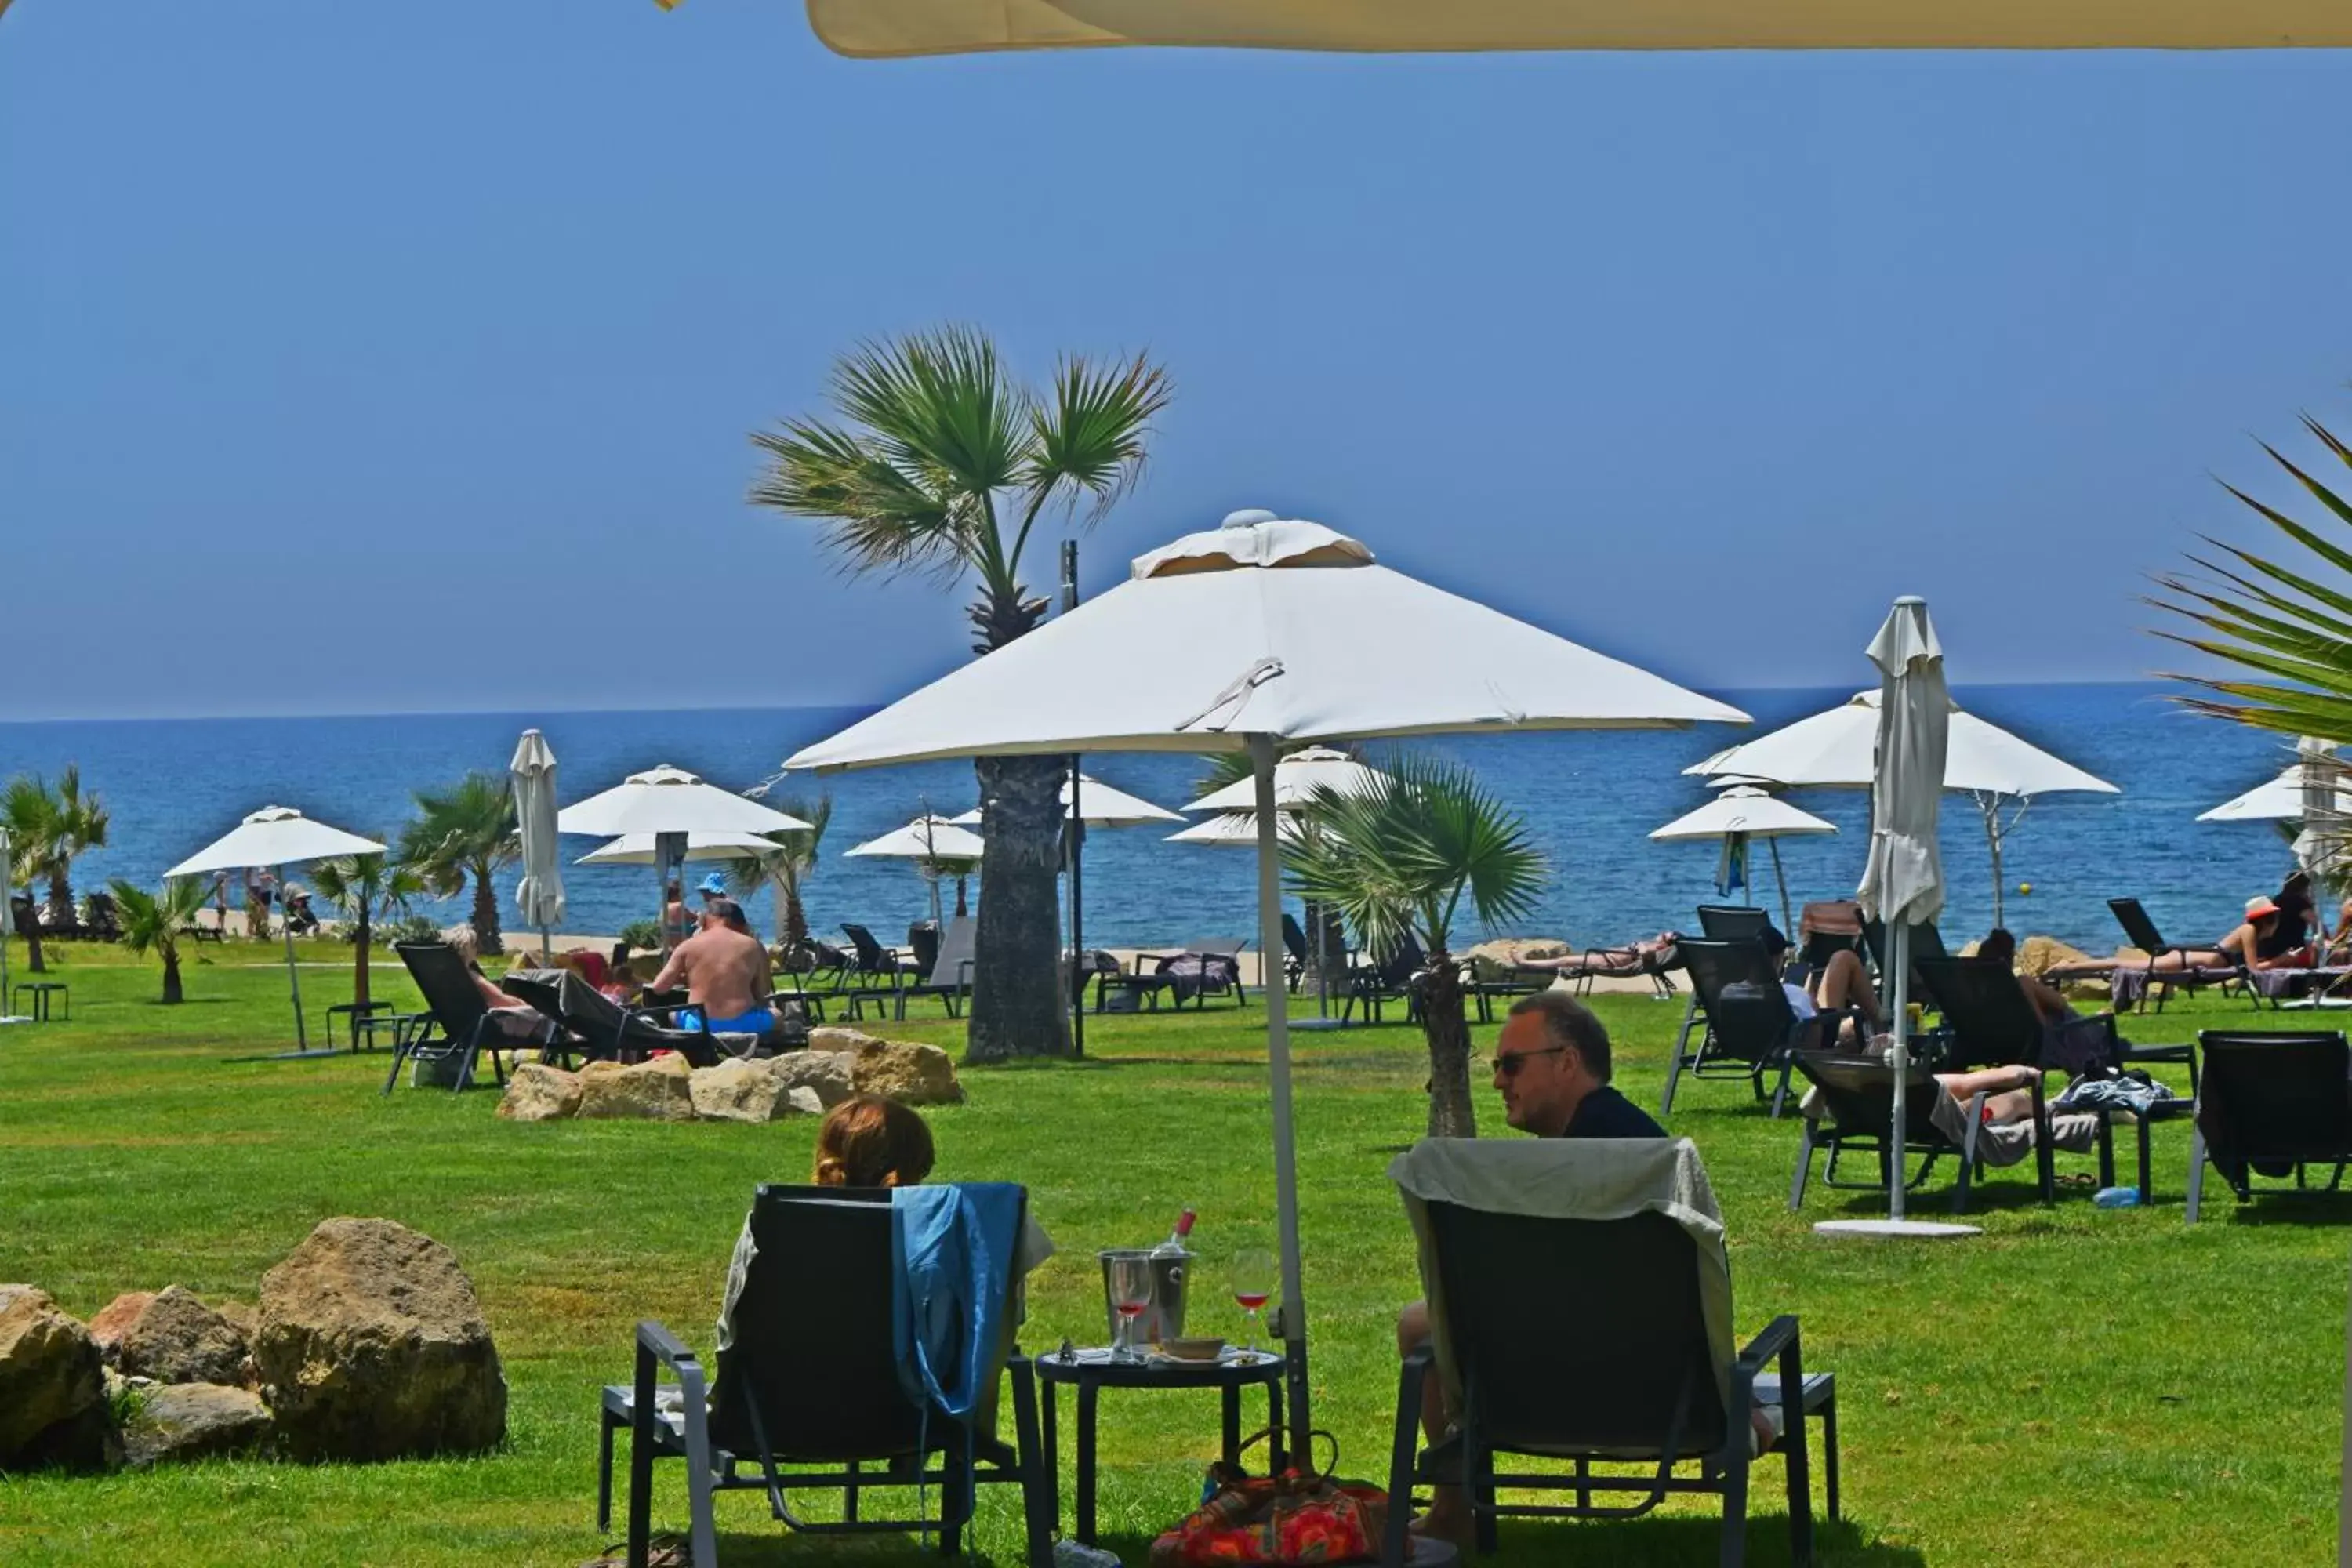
(895, 27)
(639, 849)
(937, 846)
(1739, 813)
(1902, 884)
(1245, 638)
(2279, 799)
(278, 837)
(672, 805)
(539, 894)
(1299, 778)
(1835, 750)
(1235, 829)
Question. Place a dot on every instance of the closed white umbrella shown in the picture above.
(935, 845)
(672, 805)
(1739, 813)
(639, 849)
(1251, 637)
(7, 921)
(2317, 846)
(278, 837)
(539, 894)
(1835, 750)
(1902, 884)
(895, 27)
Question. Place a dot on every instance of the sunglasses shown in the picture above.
(1509, 1065)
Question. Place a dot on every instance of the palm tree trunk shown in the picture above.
(796, 931)
(61, 904)
(172, 993)
(487, 937)
(360, 960)
(1017, 1007)
(1446, 1026)
(33, 960)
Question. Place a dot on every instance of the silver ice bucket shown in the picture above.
(1164, 1318)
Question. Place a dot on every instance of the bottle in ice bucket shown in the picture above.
(1164, 1318)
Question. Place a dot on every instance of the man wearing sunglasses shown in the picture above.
(1551, 1068)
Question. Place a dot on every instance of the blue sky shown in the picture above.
(396, 320)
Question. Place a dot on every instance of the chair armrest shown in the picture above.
(665, 1347)
(963, 971)
(1778, 1336)
(1777, 1343)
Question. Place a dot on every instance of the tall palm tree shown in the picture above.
(362, 887)
(49, 827)
(1400, 859)
(939, 462)
(466, 832)
(155, 923)
(787, 868)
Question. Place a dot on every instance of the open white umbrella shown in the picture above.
(1105, 805)
(639, 849)
(539, 894)
(1234, 830)
(894, 27)
(670, 804)
(2280, 799)
(1299, 778)
(1835, 750)
(1903, 886)
(935, 845)
(1248, 638)
(278, 837)
(1739, 813)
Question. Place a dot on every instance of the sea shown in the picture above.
(171, 785)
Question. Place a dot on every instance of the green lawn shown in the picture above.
(2075, 1387)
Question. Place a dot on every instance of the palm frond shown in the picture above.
(1092, 435)
(875, 516)
(939, 402)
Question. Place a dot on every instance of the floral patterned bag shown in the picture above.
(1301, 1516)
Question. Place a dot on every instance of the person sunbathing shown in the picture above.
(1632, 958)
(2048, 1005)
(517, 1019)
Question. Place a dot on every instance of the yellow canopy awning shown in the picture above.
(890, 27)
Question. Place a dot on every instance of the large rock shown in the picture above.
(372, 1347)
(828, 1037)
(178, 1339)
(738, 1090)
(114, 1320)
(827, 1074)
(195, 1421)
(657, 1090)
(537, 1092)
(909, 1074)
(2036, 955)
(52, 1389)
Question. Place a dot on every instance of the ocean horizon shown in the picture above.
(173, 784)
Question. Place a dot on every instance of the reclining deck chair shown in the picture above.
(949, 978)
(1749, 1029)
(609, 1030)
(1732, 923)
(1856, 1105)
(1926, 941)
(2141, 932)
(461, 1023)
(1622, 1239)
(1392, 978)
(2269, 1103)
(807, 1392)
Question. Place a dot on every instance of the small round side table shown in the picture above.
(1093, 1371)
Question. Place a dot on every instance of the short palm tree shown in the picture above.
(787, 868)
(1400, 859)
(48, 828)
(361, 888)
(155, 923)
(941, 462)
(466, 832)
(2285, 621)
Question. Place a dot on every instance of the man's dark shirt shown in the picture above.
(1605, 1113)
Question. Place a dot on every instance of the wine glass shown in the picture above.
(1254, 1279)
(1130, 1292)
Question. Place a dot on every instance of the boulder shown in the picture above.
(107, 1329)
(657, 1090)
(834, 1037)
(178, 1339)
(52, 1388)
(1496, 959)
(194, 1421)
(738, 1090)
(909, 1074)
(372, 1347)
(826, 1075)
(242, 1316)
(537, 1092)
(2038, 954)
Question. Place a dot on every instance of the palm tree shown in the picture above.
(466, 832)
(939, 462)
(153, 923)
(361, 887)
(1327, 958)
(1398, 860)
(49, 827)
(786, 868)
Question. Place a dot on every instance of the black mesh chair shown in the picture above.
(807, 1396)
(2270, 1104)
(1926, 941)
(1856, 1116)
(950, 975)
(460, 1023)
(1391, 979)
(1637, 1383)
(604, 1029)
(1750, 1026)
(1987, 1021)
(2141, 931)
(1732, 923)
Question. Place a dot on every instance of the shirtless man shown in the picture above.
(725, 973)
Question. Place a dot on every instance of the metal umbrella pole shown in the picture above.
(1285, 1144)
(1780, 877)
(1075, 831)
(293, 978)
